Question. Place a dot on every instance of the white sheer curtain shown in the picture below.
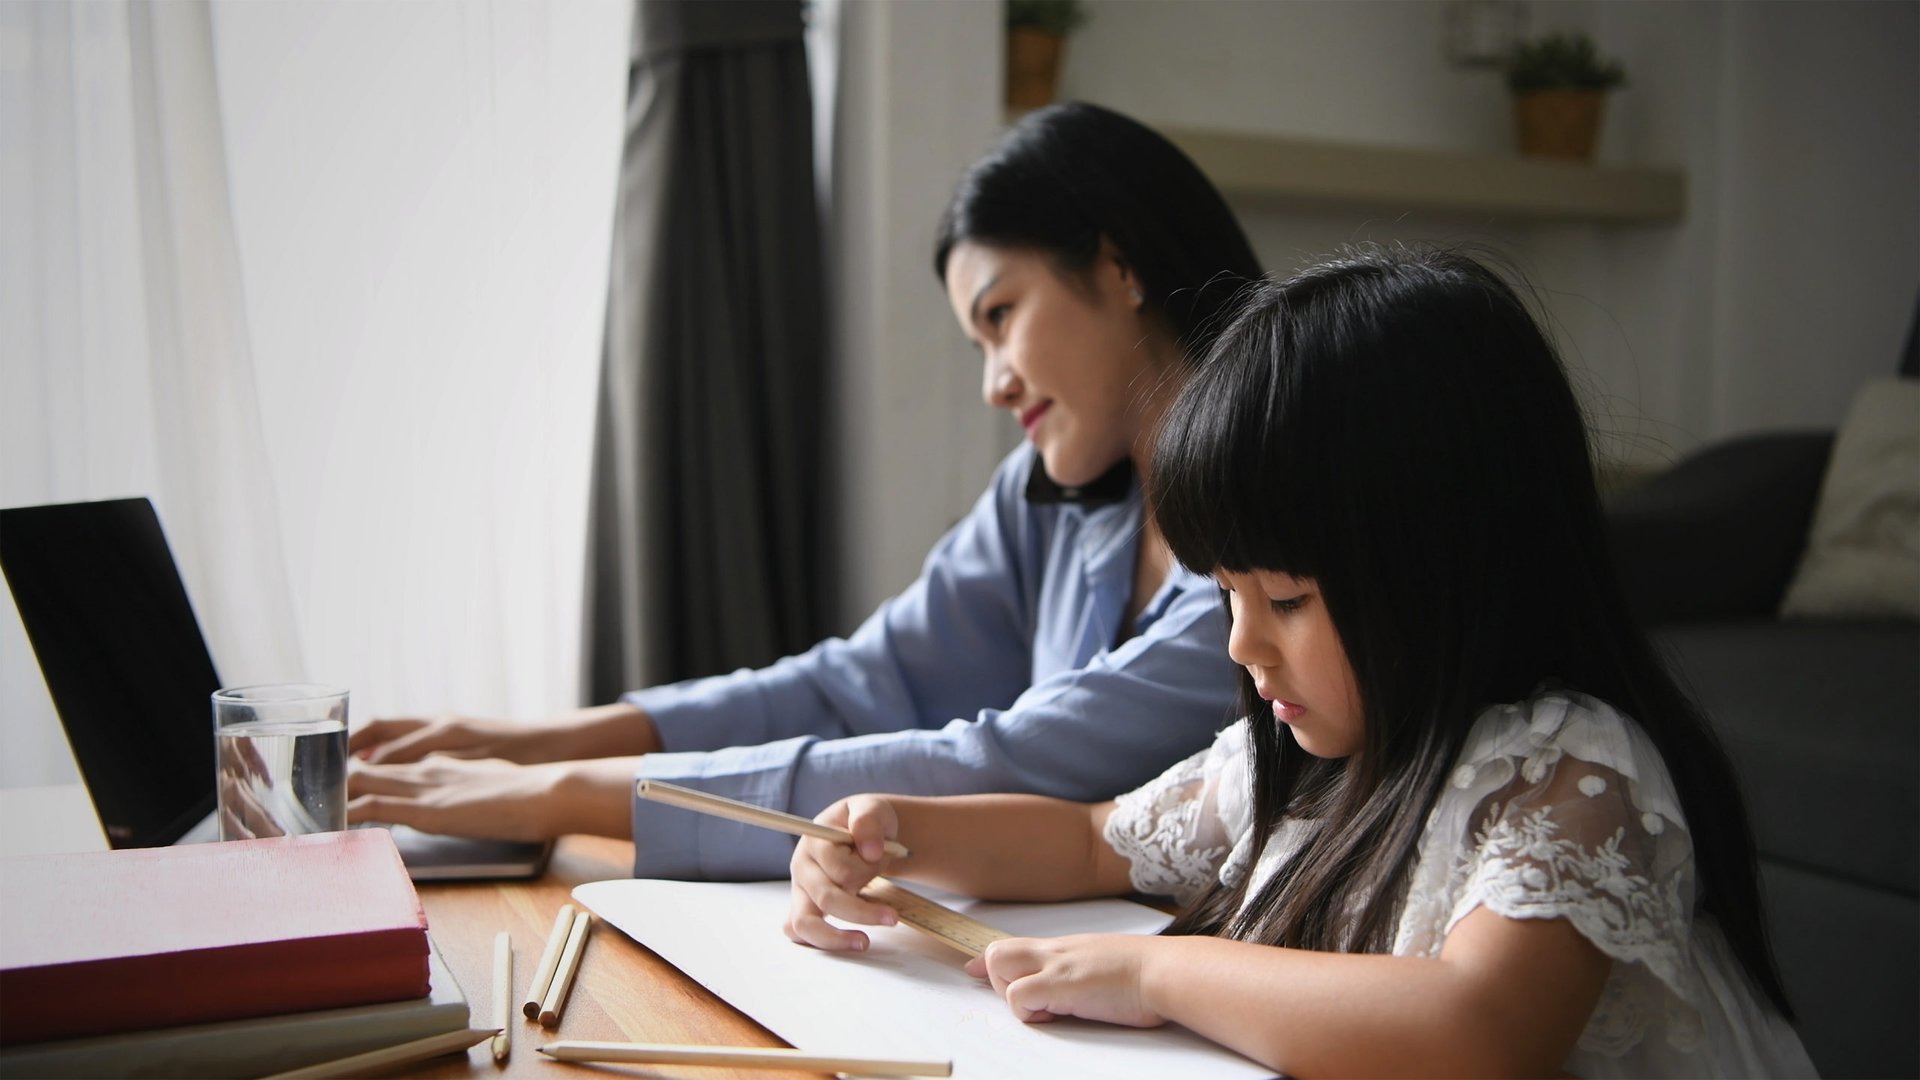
(126, 368)
(421, 196)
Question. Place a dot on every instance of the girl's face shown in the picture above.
(1285, 639)
(1073, 360)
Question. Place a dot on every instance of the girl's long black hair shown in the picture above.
(1395, 426)
(1067, 176)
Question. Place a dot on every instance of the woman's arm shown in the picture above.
(1504, 997)
(998, 847)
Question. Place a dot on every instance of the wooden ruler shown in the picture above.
(970, 936)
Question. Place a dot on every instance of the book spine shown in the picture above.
(261, 979)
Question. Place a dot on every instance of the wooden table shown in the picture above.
(623, 991)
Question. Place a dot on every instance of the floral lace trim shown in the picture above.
(1522, 868)
(1152, 827)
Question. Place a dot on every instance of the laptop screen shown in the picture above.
(117, 641)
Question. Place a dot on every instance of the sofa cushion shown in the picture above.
(1822, 720)
(1716, 537)
(1863, 550)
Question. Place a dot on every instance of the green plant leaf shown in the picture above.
(1053, 16)
(1562, 62)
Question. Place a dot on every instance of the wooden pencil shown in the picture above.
(556, 1000)
(502, 992)
(391, 1057)
(749, 814)
(740, 1056)
(543, 975)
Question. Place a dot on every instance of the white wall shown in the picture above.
(1794, 272)
(920, 98)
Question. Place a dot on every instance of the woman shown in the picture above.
(1050, 645)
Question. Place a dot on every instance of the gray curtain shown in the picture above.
(710, 515)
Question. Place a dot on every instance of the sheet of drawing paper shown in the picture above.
(907, 995)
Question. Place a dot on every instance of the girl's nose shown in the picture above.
(1246, 644)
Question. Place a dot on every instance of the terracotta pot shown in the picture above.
(1033, 66)
(1558, 123)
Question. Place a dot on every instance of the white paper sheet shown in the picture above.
(906, 996)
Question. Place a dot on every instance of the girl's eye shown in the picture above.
(1289, 605)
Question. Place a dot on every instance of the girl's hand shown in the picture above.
(828, 877)
(1092, 976)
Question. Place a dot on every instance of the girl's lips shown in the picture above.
(1287, 712)
(1032, 416)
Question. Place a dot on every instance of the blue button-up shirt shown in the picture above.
(1004, 667)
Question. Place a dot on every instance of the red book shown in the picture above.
(123, 940)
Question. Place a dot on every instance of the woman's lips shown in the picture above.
(1032, 416)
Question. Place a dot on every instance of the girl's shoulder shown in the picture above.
(1529, 739)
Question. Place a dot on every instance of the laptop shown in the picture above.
(129, 673)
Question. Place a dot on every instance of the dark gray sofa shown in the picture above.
(1822, 719)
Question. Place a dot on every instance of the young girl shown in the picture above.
(1470, 824)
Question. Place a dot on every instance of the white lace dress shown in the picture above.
(1560, 807)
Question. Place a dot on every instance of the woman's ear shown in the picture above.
(1128, 280)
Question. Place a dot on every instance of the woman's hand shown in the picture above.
(828, 876)
(495, 799)
(602, 731)
(1092, 976)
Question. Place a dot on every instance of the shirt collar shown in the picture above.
(1112, 486)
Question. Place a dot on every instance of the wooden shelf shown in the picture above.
(1320, 174)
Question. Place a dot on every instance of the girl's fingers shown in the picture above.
(1027, 997)
(1005, 963)
(872, 824)
(807, 926)
(830, 898)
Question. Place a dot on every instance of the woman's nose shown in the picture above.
(1000, 387)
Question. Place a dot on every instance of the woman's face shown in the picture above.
(1071, 357)
(1285, 639)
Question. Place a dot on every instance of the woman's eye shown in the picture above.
(997, 314)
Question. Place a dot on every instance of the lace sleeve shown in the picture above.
(1186, 826)
(1564, 810)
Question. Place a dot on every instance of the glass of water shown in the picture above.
(282, 759)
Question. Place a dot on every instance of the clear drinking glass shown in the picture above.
(282, 759)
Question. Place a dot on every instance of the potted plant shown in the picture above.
(1559, 84)
(1036, 34)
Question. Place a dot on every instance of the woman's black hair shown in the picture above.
(1395, 426)
(1068, 175)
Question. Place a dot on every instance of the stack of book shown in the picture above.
(234, 959)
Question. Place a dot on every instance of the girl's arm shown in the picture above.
(1504, 997)
(996, 847)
